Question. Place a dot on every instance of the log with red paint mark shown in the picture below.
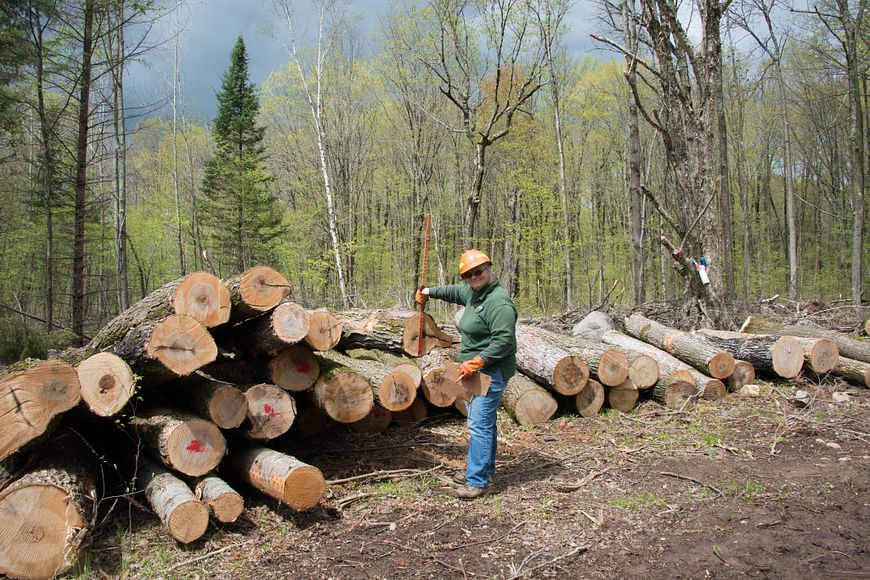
(270, 411)
(179, 439)
(294, 368)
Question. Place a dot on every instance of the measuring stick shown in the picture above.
(423, 283)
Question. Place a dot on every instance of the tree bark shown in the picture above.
(853, 371)
(280, 476)
(47, 512)
(225, 503)
(220, 402)
(548, 364)
(391, 330)
(289, 323)
(780, 355)
(107, 383)
(184, 516)
(850, 345)
(528, 403)
(393, 390)
(31, 402)
(698, 353)
(607, 363)
(180, 440)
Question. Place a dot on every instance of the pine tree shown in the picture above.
(240, 213)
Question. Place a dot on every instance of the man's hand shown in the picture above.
(422, 296)
(470, 367)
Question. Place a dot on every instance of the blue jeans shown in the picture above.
(483, 432)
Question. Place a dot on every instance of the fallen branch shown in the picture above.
(207, 556)
(383, 474)
(693, 480)
(574, 552)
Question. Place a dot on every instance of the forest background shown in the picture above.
(733, 131)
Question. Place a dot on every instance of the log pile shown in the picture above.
(203, 375)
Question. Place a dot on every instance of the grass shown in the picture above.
(640, 499)
(747, 489)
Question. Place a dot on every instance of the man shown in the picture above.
(489, 345)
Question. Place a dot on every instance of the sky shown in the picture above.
(211, 28)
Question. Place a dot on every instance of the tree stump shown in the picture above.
(549, 364)
(32, 400)
(270, 411)
(180, 440)
(225, 503)
(341, 393)
(107, 383)
(528, 403)
(46, 512)
(780, 355)
(184, 516)
(280, 476)
(255, 291)
(849, 345)
(590, 400)
(699, 353)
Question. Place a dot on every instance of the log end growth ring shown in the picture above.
(570, 375)
(294, 369)
(437, 397)
(228, 408)
(304, 487)
(204, 297)
(107, 383)
(721, 365)
(262, 288)
(348, 397)
(196, 447)
(188, 521)
(613, 367)
(590, 400)
(788, 357)
(291, 322)
(182, 344)
(324, 331)
(643, 371)
(35, 522)
(270, 410)
(823, 356)
(397, 391)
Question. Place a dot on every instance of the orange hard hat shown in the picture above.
(472, 259)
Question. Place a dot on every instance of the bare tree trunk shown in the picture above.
(81, 177)
(473, 199)
(176, 65)
(636, 198)
(726, 224)
(120, 126)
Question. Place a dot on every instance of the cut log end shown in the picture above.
(36, 522)
(204, 297)
(822, 356)
(181, 344)
(324, 331)
(397, 391)
(227, 408)
(590, 400)
(643, 371)
(622, 399)
(346, 397)
(570, 375)
(291, 322)
(107, 383)
(195, 447)
(188, 521)
(304, 487)
(225, 503)
(432, 335)
(713, 390)
(270, 411)
(788, 357)
(438, 397)
(262, 288)
(418, 411)
(527, 402)
(744, 374)
(294, 369)
(675, 392)
(613, 367)
(721, 365)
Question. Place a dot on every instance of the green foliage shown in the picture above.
(20, 340)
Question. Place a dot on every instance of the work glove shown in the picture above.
(422, 296)
(470, 367)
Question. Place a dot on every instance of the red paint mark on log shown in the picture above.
(196, 446)
(303, 368)
(270, 411)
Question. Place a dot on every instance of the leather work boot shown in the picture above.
(468, 492)
(459, 478)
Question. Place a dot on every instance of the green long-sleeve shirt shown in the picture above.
(488, 324)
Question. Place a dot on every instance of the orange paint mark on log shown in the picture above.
(196, 446)
(270, 411)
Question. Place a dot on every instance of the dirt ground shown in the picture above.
(737, 488)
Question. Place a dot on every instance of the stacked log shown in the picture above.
(527, 402)
(281, 476)
(849, 345)
(180, 440)
(608, 364)
(270, 411)
(779, 355)
(181, 512)
(224, 503)
(549, 364)
(107, 383)
(394, 390)
(643, 369)
(589, 401)
(256, 291)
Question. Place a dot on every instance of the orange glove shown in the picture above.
(421, 298)
(470, 367)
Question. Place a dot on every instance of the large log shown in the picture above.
(590, 400)
(46, 513)
(674, 392)
(393, 390)
(744, 374)
(850, 345)
(407, 365)
(854, 371)
(607, 363)
(527, 402)
(643, 369)
(593, 326)
(162, 350)
(179, 439)
(549, 364)
(780, 355)
(32, 401)
(184, 516)
(281, 476)
(217, 401)
(225, 503)
(341, 393)
(820, 354)
(255, 291)
(324, 331)
(621, 398)
(270, 411)
(432, 367)
(269, 333)
(107, 383)
(700, 354)
(294, 368)
(392, 330)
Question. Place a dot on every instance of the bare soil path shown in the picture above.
(753, 488)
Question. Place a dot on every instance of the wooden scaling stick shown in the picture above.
(423, 283)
